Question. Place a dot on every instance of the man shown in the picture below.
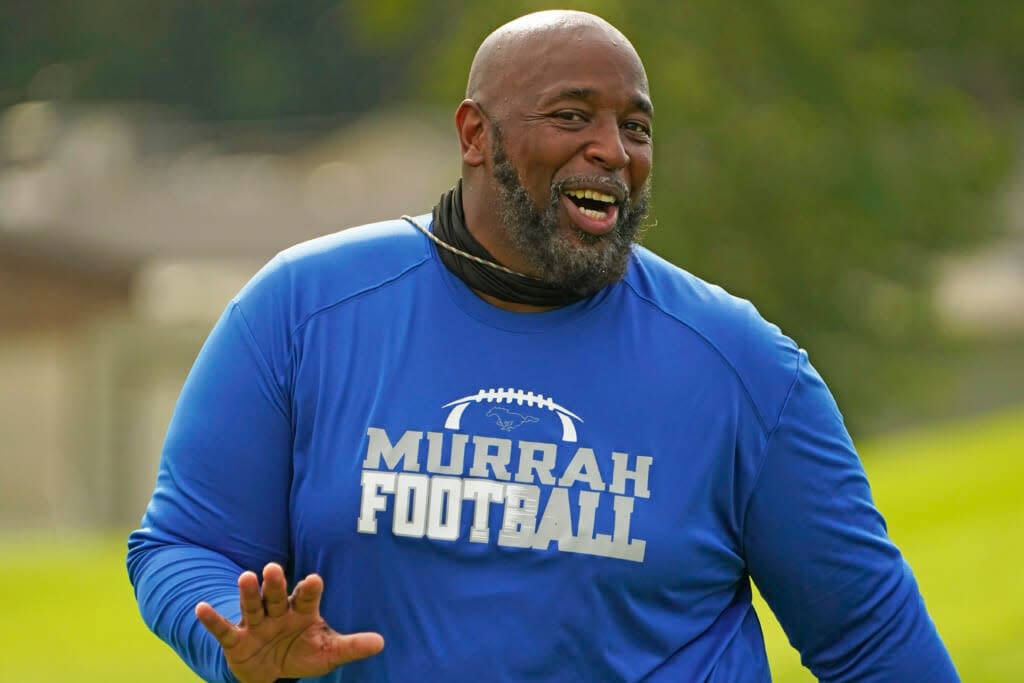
(514, 445)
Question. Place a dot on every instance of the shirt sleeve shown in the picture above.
(819, 552)
(220, 505)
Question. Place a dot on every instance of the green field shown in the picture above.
(951, 495)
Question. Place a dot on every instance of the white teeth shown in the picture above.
(592, 194)
(592, 213)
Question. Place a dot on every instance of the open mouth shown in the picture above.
(592, 203)
(593, 213)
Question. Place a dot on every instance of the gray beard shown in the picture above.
(584, 268)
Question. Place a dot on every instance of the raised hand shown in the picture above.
(282, 636)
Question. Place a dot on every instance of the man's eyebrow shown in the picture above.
(576, 93)
(639, 101)
(644, 104)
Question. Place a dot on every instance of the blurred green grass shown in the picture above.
(951, 496)
(69, 615)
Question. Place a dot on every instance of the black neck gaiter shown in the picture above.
(450, 227)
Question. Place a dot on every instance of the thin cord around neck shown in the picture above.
(455, 250)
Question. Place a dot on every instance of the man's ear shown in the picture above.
(470, 123)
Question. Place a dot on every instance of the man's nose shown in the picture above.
(606, 149)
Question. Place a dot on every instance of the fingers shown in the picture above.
(249, 599)
(275, 590)
(307, 593)
(349, 648)
(221, 629)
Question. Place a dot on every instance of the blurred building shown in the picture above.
(983, 292)
(123, 233)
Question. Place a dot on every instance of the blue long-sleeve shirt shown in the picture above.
(579, 494)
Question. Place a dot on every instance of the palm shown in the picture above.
(289, 650)
(281, 636)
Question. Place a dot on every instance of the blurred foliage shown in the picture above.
(230, 59)
(815, 158)
(818, 158)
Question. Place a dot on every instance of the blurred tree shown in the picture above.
(231, 59)
(818, 158)
(814, 158)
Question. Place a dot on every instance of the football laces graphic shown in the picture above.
(513, 397)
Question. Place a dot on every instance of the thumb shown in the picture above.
(352, 646)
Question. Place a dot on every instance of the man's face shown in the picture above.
(581, 262)
(571, 158)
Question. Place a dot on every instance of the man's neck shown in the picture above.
(476, 249)
(487, 229)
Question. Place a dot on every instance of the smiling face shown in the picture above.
(576, 260)
(564, 139)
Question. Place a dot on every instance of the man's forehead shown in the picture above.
(590, 69)
(597, 72)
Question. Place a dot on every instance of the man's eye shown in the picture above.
(569, 116)
(638, 127)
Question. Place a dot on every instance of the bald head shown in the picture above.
(513, 52)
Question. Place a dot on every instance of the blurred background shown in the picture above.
(854, 168)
